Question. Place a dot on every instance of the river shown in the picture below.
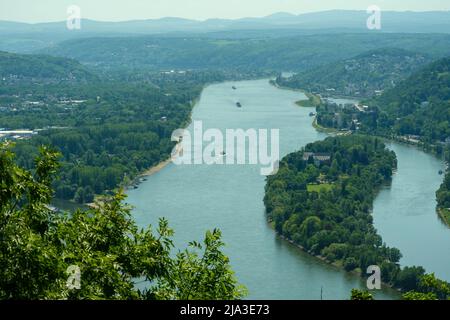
(195, 198)
(405, 212)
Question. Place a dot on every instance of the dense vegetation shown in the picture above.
(38, 246)
(335, 222)
(107, 129)
(293, 53)
(360, 295)
(420, 108)
(417, 110)
(417, 106)
(427, 287)
(16, 67)
(362, 76)
(443, 199)
(114, 120)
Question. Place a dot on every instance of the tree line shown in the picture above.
(108, 127)
(335, 223)
(40, 248)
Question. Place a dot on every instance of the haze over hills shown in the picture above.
(392, 21)
(24, 37)
(111, 99)
(273, 54)
(19, 67)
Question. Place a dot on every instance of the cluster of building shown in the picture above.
(17, 134)
(174, 72)
(318, 158)
(25, 103)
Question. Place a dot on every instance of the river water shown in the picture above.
(195, 198)
(405, 212)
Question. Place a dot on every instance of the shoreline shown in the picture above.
(164, 163)
(356, 272)
(333, 131)
(442, 214)
(156, 168)
(424, 147)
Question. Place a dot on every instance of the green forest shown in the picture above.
(108, 129)
(417, 110)
(364, 75)
(417, 106)
(250, 52)
(90, 115)
(335, 223)
(40, 245)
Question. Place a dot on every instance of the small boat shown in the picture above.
(234, 88)
(238, 104)
(312, 114)
(441, 172)
(223, 153)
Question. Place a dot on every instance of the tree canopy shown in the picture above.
(39, 247)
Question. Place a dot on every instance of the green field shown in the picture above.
(312, 102)
(224, 42)
(445, 214)
(319, 187)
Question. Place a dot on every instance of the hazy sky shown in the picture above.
(116, 10)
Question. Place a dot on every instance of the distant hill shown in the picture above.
(20, 66)
(23, 37)
(392, 21)
(365, 75)
(279, 54)
(420, 105)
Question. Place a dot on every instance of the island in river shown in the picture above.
(198, 197)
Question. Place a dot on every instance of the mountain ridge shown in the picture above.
(394, 20)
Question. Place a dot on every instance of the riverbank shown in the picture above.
(195, 198)
(319, 128)
(356, 273)
(312, 101)
(155, 168)
(445, 215)
(307, 104)
(305, 224)
(431, 148)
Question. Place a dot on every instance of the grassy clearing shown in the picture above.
(319, 187)
(445, 214)
(312, 102)
(222, 43)
(319, 128)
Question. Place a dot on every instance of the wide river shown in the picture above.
(196, 198)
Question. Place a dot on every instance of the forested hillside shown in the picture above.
(417, 110)
(420, 105)
(325, 206)
(17, 67)
(365, 75)
(260, 53)
(39, 247)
